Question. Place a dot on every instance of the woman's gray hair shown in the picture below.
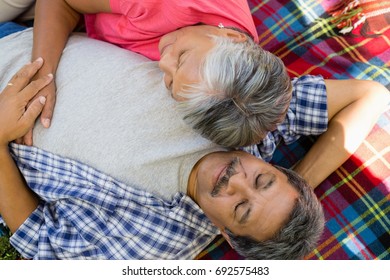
(244, 93)
(297, 238)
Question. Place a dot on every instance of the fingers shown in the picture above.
(28, 138)
(32, 113)
(24, 75)
(47, 112)
(35, 86)
(26, 91)
(19, 141)
(20, 82)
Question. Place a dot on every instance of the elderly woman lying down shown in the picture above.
(173, 191)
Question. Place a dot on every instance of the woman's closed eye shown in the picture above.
(180, 60)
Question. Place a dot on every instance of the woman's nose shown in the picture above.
(168, 68)
(167, 64)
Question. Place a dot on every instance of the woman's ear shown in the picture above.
(235, 35)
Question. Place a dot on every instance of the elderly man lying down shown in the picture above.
(113, 114)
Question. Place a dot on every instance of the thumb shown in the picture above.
(33, 111)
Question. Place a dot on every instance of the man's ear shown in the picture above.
(226, 236)
(235, 35)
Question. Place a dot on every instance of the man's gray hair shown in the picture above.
(244, 93)
(297, 238)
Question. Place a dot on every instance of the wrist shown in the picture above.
(46, 69)
(304, 170)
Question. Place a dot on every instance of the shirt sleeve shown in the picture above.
(64, 229)
(308, 111)
(75, 206)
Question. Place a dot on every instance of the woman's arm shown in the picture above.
(17, 201)
(53, 23)
(354, 106)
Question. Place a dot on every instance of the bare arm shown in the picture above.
(54, 21)
(17, 201)
(353, 108)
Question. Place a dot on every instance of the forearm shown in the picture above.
(54, 21)
(347, 130)
(330, 151)
(17, 201)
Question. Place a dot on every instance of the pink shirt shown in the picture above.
(139, 25)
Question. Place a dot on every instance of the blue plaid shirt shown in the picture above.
(85, 214)
(306, 115)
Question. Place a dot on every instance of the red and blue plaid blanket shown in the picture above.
(339, 39)
(306, 34)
